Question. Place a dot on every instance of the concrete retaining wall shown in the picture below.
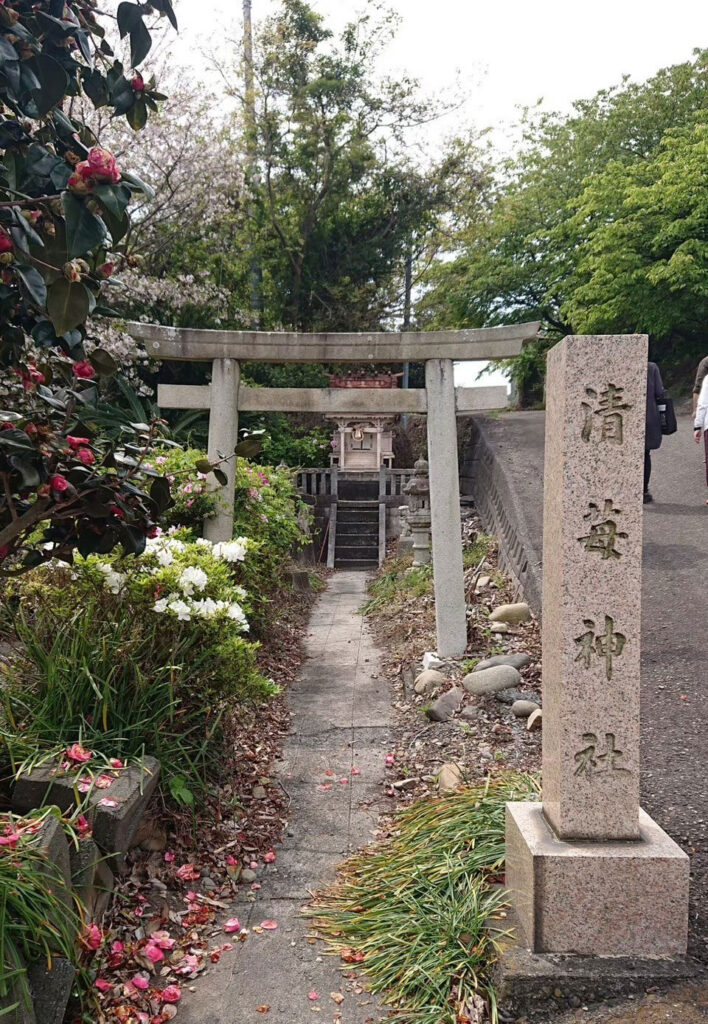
(485, 477)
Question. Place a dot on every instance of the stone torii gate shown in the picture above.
(440, 400)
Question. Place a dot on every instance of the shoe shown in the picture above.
(647, 498)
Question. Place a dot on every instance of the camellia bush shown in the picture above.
(64, 212)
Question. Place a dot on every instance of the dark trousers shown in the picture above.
(647, 469)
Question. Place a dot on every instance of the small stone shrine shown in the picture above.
(589, 871)
(418, 517)
(363, 444)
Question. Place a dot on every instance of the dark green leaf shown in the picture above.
(7, 51)
(138, 183)
(84, 230)
(53, 82)
(249, 448)
(140, 43)
(221, 477)
(34, 283)
(95, 87)
(67, 304)
(114, 198)
(137, 115)
(118, 227)
(160, 493)
(103, 362)
(203, 466)
(132, 539)
(27, 470)
(128, 16)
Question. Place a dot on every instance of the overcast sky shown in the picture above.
(507, 54)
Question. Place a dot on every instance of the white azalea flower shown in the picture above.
(181, 610)
(192, 577)
(161, 605)
(231, 550)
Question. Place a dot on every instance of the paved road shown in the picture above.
(674, 633)
(341, 711)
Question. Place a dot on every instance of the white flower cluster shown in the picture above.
(193, 579)
(231, 550)
(114, 580)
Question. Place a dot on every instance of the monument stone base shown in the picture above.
(600, 899)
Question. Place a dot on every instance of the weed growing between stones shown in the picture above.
(414, 912)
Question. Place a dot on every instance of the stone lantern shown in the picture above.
(418, 489)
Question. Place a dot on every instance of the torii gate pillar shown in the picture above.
(223, 438)
(450, 611)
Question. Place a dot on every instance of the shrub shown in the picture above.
(133, 655)
(267, 509)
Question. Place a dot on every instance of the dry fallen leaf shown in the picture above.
(264, 1008)
(337, 997)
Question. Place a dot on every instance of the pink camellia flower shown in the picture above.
(86, 456)
(59, 484)
(103, 782)
(102, 985)
(169, 857)
(163, 939)
(92, 937)
(390, 759)
(153, 953)
(115, 762)
(187, 873)
(76, 442)
(102, 165)
(10, 839)
(82, 826)
(137, 83)
(171, 994)
(140, 981)
(75, 752)
(232, 925)
(269, 857)
(105, 270)
(188, 965)
(6, 243)
(192, 897)
(83, 370)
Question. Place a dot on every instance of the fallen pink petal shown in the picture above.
(232, 925)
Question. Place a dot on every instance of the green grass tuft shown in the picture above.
(417, 907)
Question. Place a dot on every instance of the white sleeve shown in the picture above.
(701, 420)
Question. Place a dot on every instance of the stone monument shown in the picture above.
(588, 869)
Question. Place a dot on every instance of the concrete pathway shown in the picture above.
(340, 721)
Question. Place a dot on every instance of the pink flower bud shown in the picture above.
(85, 456)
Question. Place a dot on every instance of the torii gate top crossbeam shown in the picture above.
(187, 343)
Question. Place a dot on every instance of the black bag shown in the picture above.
(667, 415)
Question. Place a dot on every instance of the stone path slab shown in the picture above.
(341, 715)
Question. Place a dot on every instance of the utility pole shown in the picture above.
(406, 325)
(251, 168)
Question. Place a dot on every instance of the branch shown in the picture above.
(29, 518)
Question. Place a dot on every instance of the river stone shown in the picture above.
(431, 660)
(523, 708)
(259, 793)
(429, 680)
(449, 779)
(446, 705)
(248, 875)
(535, 721)
(515, 660)
(490, 680)
(512, 613)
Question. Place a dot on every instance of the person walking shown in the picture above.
(653, 435)
(701, 373)
(700, 421)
